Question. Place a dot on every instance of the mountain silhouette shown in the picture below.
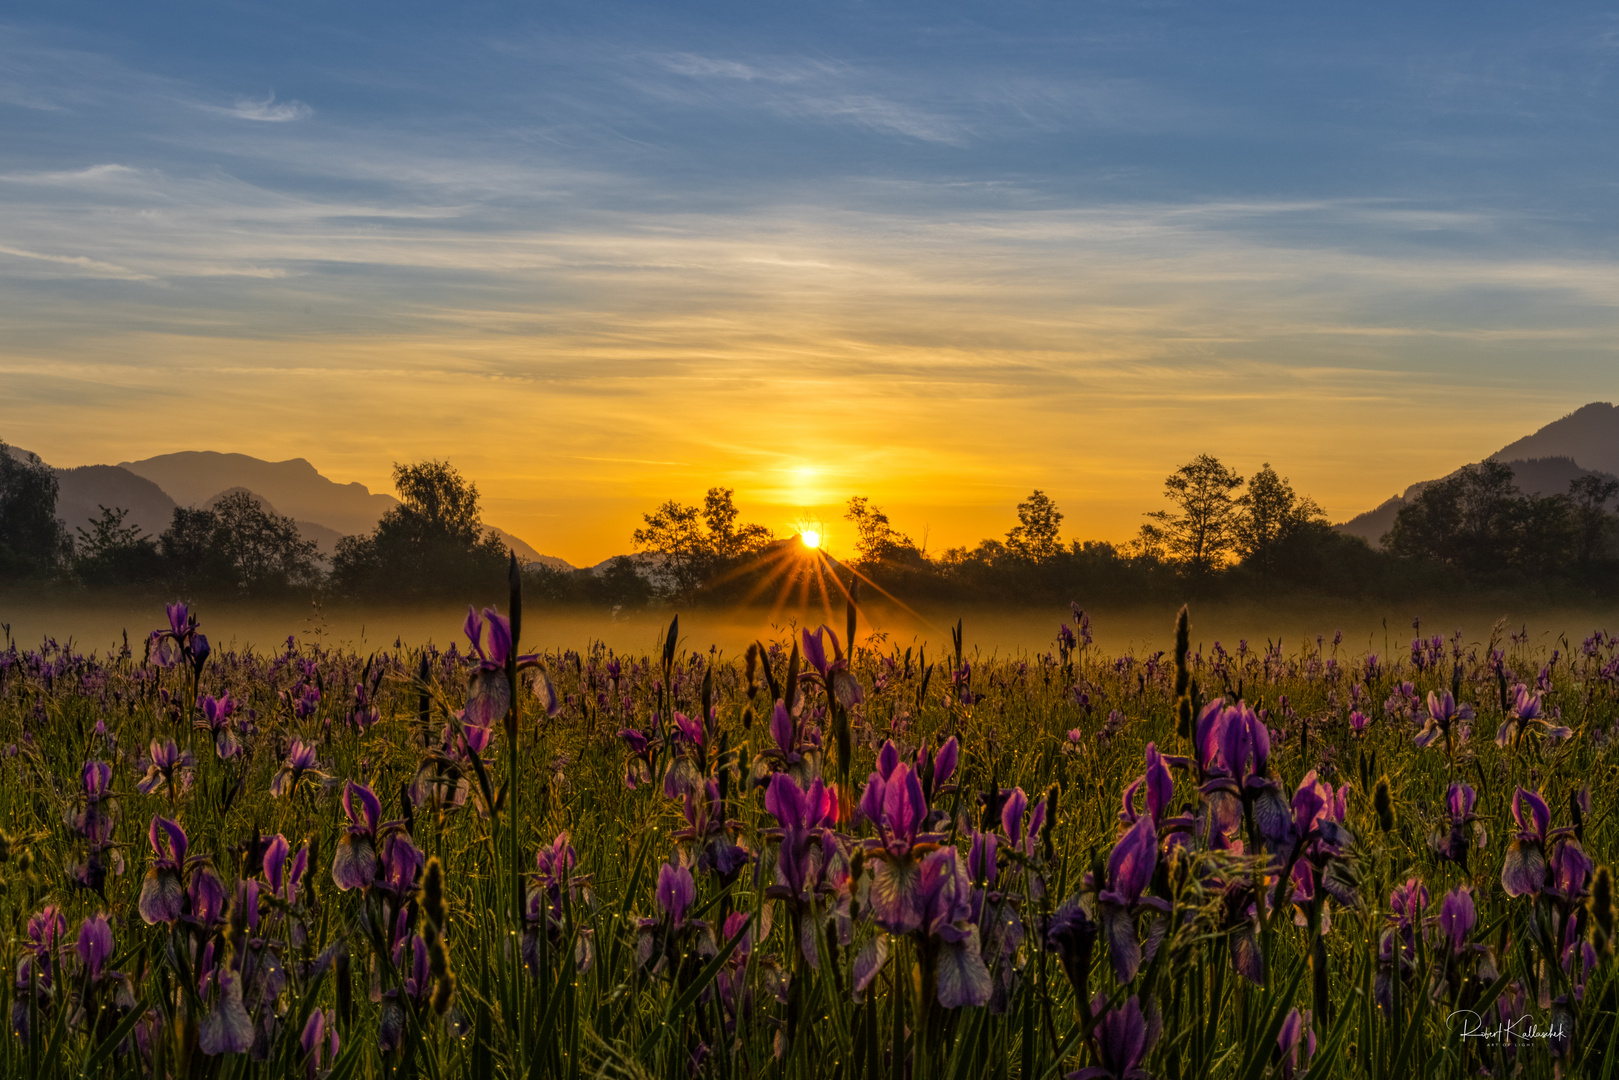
(1589, 436)
(295, 488)
(1585, 441)
(324, 510)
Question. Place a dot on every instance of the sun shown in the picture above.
(811, 538)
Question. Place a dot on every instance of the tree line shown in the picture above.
(1218, 532)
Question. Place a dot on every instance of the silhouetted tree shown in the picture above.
(112, 553)
(1202, 534)
(1034, 537)
(432, 544)
(876, 539)
(238, 546)
(32, 541)
(1594, 526)
(1270, 516)
(693, 543)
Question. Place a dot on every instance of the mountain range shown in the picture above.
(150, 489)
(1585, 441)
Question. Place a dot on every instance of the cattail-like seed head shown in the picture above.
(1183, 644)
(433, 893)
(438, 958)
(1383, 803)
(345, 988)
(1601, 908)
(443, 993)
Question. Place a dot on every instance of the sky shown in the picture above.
(599, 255)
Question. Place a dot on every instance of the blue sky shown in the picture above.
(939, 254)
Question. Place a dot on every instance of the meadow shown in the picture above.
(829, 854)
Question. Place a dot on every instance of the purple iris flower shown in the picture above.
(1528, 714)
(1525, 868)
(355, 864)
(1457, 917)
(944, 904)
(1455, 844)
(839, 681)
(638, 770)
(897, 807)
(1160, 785)
(1443, 715)
(1122, 1038)
(207, 897)
(166, 766)
(319, 1041)
(1358, 721)
(96, 820)
(489, 694)
(163, 892)
(1571, 869)
(216, 714)
(94, 946)
(301, 765)
(227, 1028)
(1071, 934)
(174, 644)
(284, 880)
(1296, 1042)
(1129, 872)
(677, 892)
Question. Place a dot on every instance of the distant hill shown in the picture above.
(294, 487)
(1589, 435)
(82, 492)
(325, 510)
(1583, 442)
(526, 554)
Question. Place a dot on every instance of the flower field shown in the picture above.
(830, 857)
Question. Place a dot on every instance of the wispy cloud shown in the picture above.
(268, 111)
(82, 264)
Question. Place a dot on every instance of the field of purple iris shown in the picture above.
(820, 859)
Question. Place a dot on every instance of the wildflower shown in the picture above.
(319, 1042)
(1123, 1037)
(1454, 845)
(226, 1028)
(1528, 714)
(838, 680)
(1358, 722)
(1397, 949)
(1525, 868)
(167, 766)
(216, 714)
(163, 893)
(943, 902)
(300, 767)
(355, 864)
(1129, 872)
(543, 907)
(1295, 1042)
(1071, 934)
(1443, 716)
(1457, 917)
(489, 693)
(639, 768)
(39, 967)
(176, 643)
(897, 808)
